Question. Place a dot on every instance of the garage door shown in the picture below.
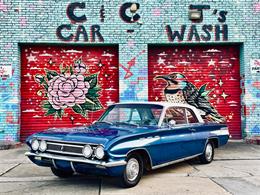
(211, 71)
(66, 86)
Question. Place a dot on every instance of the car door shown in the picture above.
(177, 141)
(199, 134)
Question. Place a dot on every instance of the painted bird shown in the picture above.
(179, 90)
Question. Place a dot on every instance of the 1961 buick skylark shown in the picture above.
(128, 139)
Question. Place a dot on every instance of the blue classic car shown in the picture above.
(128, 139)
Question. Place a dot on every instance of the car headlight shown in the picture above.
(99, 152)
(87, 151)
(43, 146)
(35, 144)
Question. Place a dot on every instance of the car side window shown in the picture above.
(191, 116)
(175, 116)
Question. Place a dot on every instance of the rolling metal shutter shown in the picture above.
(216, 66)
(66, 86)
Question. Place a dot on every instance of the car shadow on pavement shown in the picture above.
(178, 169)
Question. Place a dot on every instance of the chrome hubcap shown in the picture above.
(132, 169)
(209, 152)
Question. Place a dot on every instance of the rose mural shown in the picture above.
(71, 88)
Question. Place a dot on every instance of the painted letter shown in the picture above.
(193, 31)
(206, 29)
(81, 30)
(95, 31)
(70, 12)
(122, 12)
(59, 34)
(171, 36)
(224, 32)
(222, 16)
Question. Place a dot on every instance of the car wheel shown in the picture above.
(61, 173)
(208, 154)
(133, 171)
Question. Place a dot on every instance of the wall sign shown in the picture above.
(255, 66)
(128, 13)
(208, 31)
(5, 72)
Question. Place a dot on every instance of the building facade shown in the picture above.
(63, 62)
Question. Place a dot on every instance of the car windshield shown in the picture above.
(132, 114)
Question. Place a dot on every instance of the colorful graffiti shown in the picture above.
(203, 76)
(179, 90)
(65, 87)
(69, 89)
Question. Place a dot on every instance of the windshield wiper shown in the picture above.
(125, 123)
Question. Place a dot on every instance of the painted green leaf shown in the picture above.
(51, 111)
(59, 113)
(39, 78)
(92, 105)
(92, 92)
(87, 78)
(65, 70)
(71, 70)
(47, 105)
(92, 79)
(61, 67)
(50, 74)
(77, 109)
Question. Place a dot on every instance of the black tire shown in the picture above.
(61, 173)
(208, 154)
(125, 179)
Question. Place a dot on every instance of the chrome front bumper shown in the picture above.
(77, 159)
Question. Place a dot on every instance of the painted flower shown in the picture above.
(67, 90)
(71, 88)
(79, 66)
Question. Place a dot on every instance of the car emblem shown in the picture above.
(61, 148)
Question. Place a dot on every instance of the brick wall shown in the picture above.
(36, 22)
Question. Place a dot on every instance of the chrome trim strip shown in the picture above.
(175, 161)
(61, 144)
(142, 149)
(72, 167)
(64, 144)
(54, 164)
(77, 159)
(62, 152)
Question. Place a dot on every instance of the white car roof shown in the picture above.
(164, 104)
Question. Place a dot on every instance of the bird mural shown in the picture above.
(179, 90)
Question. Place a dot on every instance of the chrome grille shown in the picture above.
(64, 148)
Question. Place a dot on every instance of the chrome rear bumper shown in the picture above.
(77, 159)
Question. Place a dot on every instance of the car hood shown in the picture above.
(93, 134)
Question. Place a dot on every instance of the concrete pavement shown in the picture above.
(235, 170)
